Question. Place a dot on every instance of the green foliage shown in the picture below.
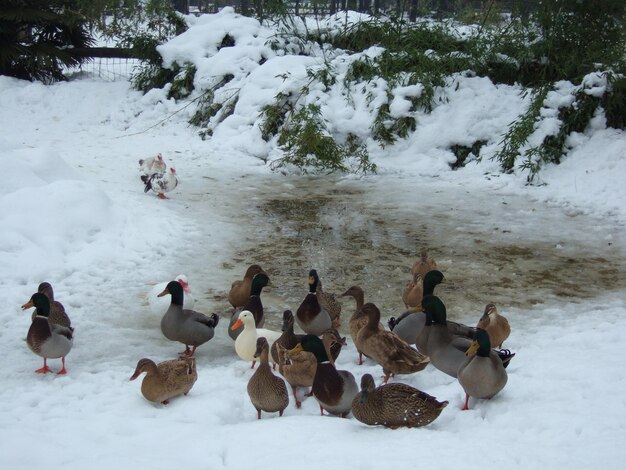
(614, 101)
(36, 38)
(308, 145)
(182, 84)
(462, 152)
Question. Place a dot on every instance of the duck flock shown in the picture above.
(285, 359)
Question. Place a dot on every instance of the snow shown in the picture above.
(74, 214)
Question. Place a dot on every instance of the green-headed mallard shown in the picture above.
(387, 349)
(167, 379)
(46, 339)
(58, 315)
(356, 321)
(408, 325)
(496, 326)
(245, 344)
(240, 289)
(394, 405)
(253, 305)
(267, 392)
(333, 389)
(311, 316)
(186, 326)
(423, 265)
(482, 374)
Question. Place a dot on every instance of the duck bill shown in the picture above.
(296, 349)
(135, 375)
(472, 349)
(28, 305)
(237, 324)
(165, 292)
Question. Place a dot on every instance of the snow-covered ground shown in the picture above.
(74, 214)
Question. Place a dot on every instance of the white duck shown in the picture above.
(245, 344)
(159, 305)
(161, 183)
(150, 166)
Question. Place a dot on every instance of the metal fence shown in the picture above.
(106, 68)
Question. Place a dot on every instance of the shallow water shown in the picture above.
(492, 247)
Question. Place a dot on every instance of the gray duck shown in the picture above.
(390, 351)
(333, 389)
(408, 325)
(186, 326)
(240, 290)
(167, 379)
(253, 305)
(311, 316)
(46, 339)
(267, 392)
(482, 375)
(394, 405)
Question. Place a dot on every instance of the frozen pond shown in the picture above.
(492, 247)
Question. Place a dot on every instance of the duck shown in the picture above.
(482, 374)
(408, 325)
(239, 292)
(267, 392)
(356, 322)
(161, 183)
(424, 264)
(167, 379)
(413, 293)
(46, 339)
(245, 344)
(186, 326)
(333, 389)
(329, 303)
(390, 351)
(298, 368)
(151, 165)
(253, 305)
(288, 339)
(58, 315)
(496, 325)
(311, 316)
(394, 405)
(159, 305)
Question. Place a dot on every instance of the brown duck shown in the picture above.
(167, 379)
(58, 316)
(240, 290)
(253, 305)
(384, 347)
(356, 321)
(298, 368)
(267, 392)
(424, 264)
(496, 326)
(288, 339)
(394, 405)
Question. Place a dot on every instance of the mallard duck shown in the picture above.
(186, 326)
(159, 305)
(267, 392)
(356, 321)
(329, 303)
(240, 290)
(387, 349)
(58, 315)
(413, 293)
(288, 339)
(333, 389)
(46, 339)
(394, 405)
(423, 265)
(161, 183)
(245, 344)
(298, 368)
(253, 305)
(496, 326)
(408, 325)
(482, 374)
(167, 379)
(311, 316)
